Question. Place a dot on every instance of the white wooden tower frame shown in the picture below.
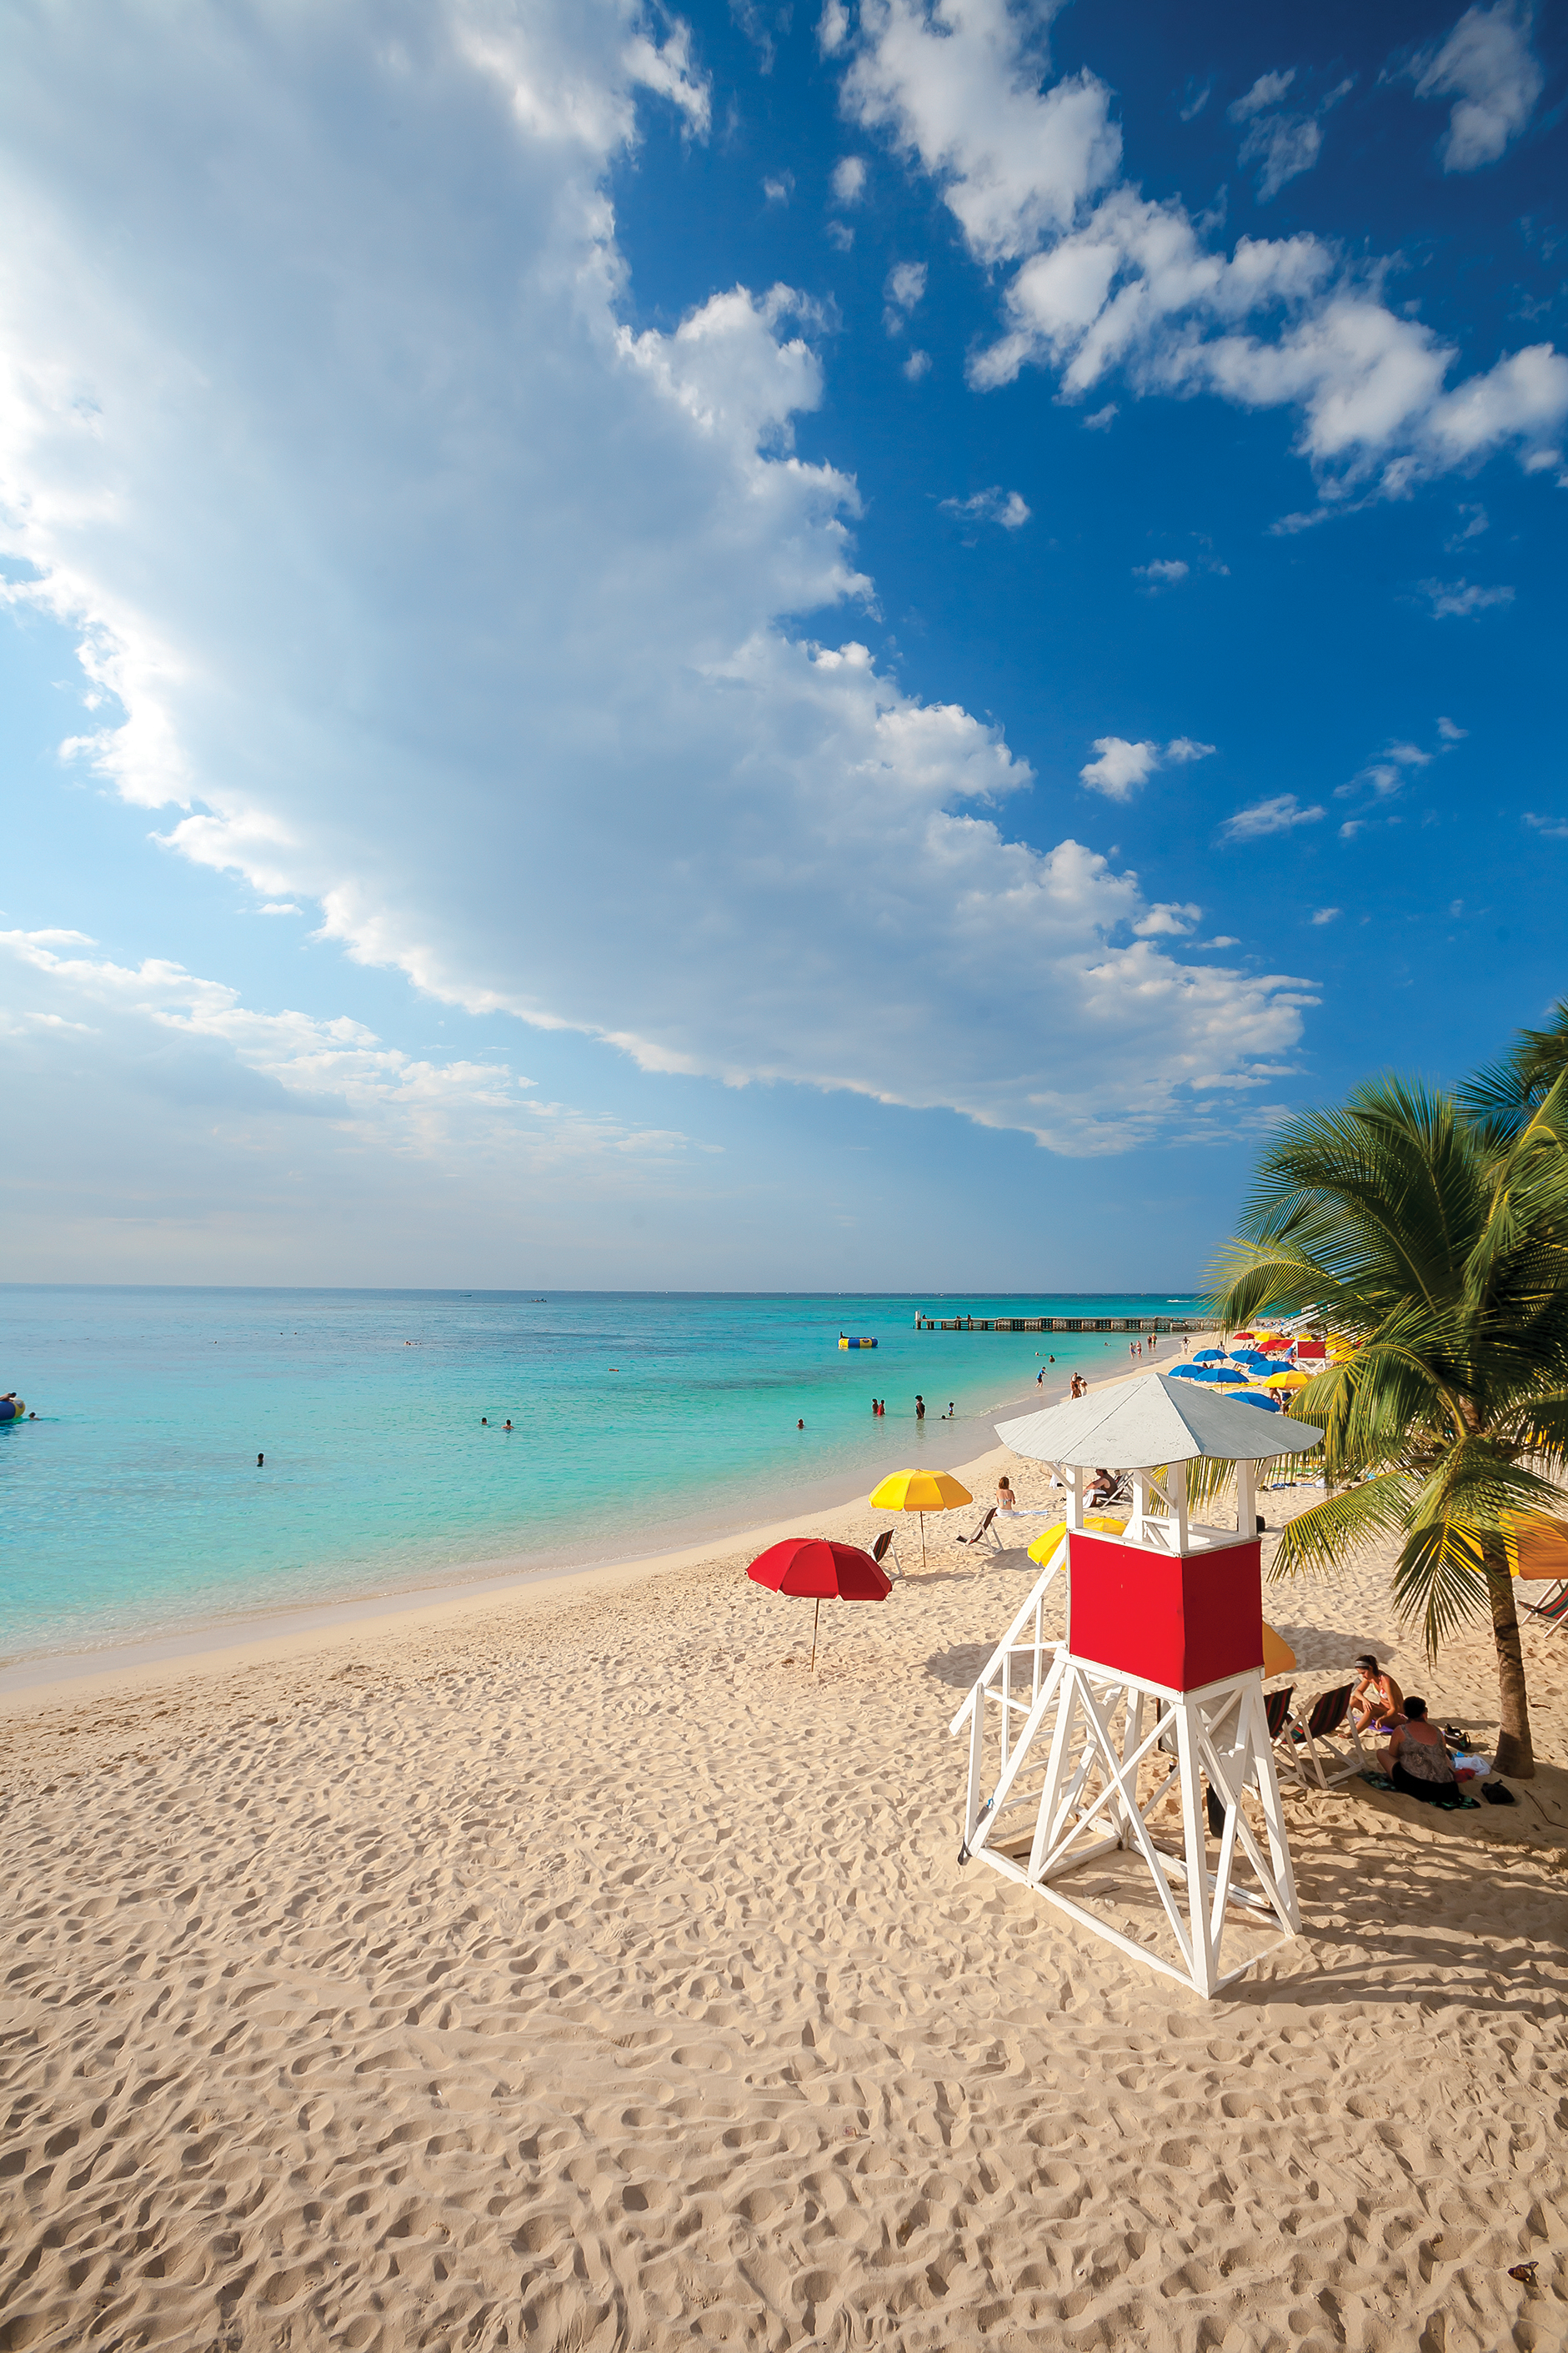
(1057, 1742)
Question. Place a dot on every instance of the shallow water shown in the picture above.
(134, 1505)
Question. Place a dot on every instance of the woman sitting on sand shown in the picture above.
(1377, 1704)
(1006, 1499)
(1415, 1759)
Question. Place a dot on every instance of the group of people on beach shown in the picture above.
(1417, 1758)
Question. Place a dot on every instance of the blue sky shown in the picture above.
(766, 646)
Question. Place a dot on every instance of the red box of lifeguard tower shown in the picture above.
(1179, 1620)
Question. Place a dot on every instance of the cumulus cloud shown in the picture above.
(1488, 67)
(1457, 599)
(1104, 278)
(1281, 814)
(1122, 767)
(916, 365)
(435, 595)
(848, 180)
(995, 505)
(1326, 916)
(903, 292)
(1555, 829)
(1451, 734)
(778, 187)
(1164, 573)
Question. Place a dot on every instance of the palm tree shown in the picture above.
(1441, 1239)
(1500, 1098)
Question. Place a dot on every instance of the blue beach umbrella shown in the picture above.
(1230, 1373)
(1183, 1373)
(1266, 1403)
(1208, 1356)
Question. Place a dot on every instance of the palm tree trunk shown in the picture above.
(1515, 1751)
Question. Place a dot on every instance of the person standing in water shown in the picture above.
(919, 1409)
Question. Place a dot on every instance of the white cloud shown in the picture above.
(1104, 278)
(916, 365)
(443, 600)
(841, 234)
(1555, 829)
(1281, 814)
(278, 907)
(1265, 91)
(1488, 67)
(1164, 573)
(778, 187)
(1174, 919)
(1123, 767)
(1197, 101)
(1475, 521)
(848, 179)
(832, 27)
(1457, 599)
(1326, 916)
(1282, 145)
(959, 89)
(995, 505)
(1450, 733)
(903, 292)
(1101, 418)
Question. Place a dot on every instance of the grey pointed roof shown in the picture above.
(1156, 1419)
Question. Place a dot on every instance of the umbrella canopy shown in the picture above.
(921, 1492)
(1205, 1356)
(1229, 1373)
(1284, 1381)
(1136, 1424)
(1257, 1397)
(1104, 1524)
(1278, 1658)
(821, 1571)
(1537, 1545)
(1272, 1345)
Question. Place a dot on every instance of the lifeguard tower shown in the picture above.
(1076, 1748)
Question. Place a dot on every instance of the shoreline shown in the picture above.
(49, 1679)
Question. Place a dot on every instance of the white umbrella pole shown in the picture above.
(815, 1622)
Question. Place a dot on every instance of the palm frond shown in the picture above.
(1341, 1524)
(1439, 1579)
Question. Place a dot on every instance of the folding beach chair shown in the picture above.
(1552, 1611)
(1310, 1741)
(986, 1530)
(880, 1551)
(1277, 1708)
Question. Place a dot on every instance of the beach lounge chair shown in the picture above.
(1308, 1747)
(880, 1551)
(986, 1529)
(1277, 1708)
(1552, 1610)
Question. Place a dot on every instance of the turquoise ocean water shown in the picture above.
(132, 1506)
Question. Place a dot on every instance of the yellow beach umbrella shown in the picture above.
(1283, 1381)
(1278, 1658)
(921, 1492)
(1535, 1544)
(1100, 1522)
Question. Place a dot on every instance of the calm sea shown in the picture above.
(133, 1506)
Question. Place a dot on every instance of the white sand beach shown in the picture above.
(572, 1968)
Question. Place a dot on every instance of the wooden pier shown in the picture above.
(1155, 1323)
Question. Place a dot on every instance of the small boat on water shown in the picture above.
(13, 1407)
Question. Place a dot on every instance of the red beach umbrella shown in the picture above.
(821, 1571)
